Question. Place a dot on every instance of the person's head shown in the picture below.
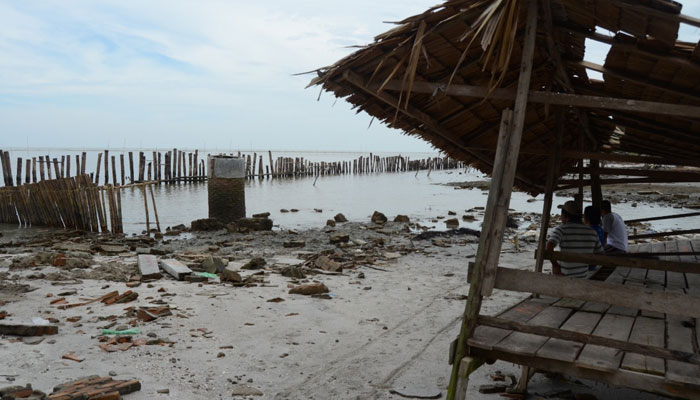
(591, 216)
(570, 212)
(605, 207)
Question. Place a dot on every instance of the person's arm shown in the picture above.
(556, 268)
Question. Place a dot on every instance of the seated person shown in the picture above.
(575, 237)
(614, 228)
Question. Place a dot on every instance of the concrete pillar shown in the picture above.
(226, 188)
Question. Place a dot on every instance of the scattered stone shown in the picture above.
(489, 389)
(468, 217)
(293, 272)
(213, 265)
(32, 340)
(402, 218)
(276, 300)
(294, 210)
(379, 218)
(255, 263)
(451, 213)
(245, 390)
(294, 243)
(284, 210)
(163, 391)
(318, 210)
(330, 222)
(511, 223)
(261, 215)
(452, 223)
(251, 224)
(339, 238)
(230, 275)
(221, 355)
(309, 289)
(340, 218)
(327, 264)
(207, 224)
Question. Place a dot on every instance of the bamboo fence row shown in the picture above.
(177, 166)
(71, 203)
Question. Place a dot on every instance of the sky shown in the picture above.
(189, 74)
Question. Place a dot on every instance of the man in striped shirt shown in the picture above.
(575, 237)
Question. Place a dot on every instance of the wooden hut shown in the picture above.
(504, 85)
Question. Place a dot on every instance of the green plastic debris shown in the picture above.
(124, 332)
(208, 275)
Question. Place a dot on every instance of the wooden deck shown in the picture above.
(666, 331)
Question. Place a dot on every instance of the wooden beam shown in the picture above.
(507, 152)
(630, 260)
(672, 216)
(680, 18)
(598, 37)
(621, 377)
(504, 172)
(542, 97)
(596, 291)
(640, 81)
(643, 349)
(661, 234)
(651, 173)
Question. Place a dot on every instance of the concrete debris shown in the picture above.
(402, 218)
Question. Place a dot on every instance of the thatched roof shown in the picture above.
(479, 43)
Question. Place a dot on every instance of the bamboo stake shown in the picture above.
(155, 209)
(145, 204)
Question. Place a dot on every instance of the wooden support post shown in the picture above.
(114, 170)
(68, 166)
(552, 173)
(596, 190)
(173, 161)
(34, 180)
(503, 176)
(83, 162)
(159, 169)
(63, 166)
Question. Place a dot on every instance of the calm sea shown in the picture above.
(421, 196)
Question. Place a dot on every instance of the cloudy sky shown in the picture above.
(190, 74)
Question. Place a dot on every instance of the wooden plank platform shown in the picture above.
(671, 377)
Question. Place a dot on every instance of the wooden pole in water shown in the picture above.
(121, 166)
(19, 171)
(83, 163)
(155, 209)
(159, 176)
(167, 166)
(145, 204)
(269, 154)
(180, 158)
(34, 180)
(260, 168)
(106, 167)
(28, 169)
(41, 169)
(131, 167)
(68, 166)
(142, 165)
(148, 168)
(56, 169)
(196, 165)
(63, 166)
(114, 170)
(97, 171)
(173, 161)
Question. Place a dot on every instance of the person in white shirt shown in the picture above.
(614, 228)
